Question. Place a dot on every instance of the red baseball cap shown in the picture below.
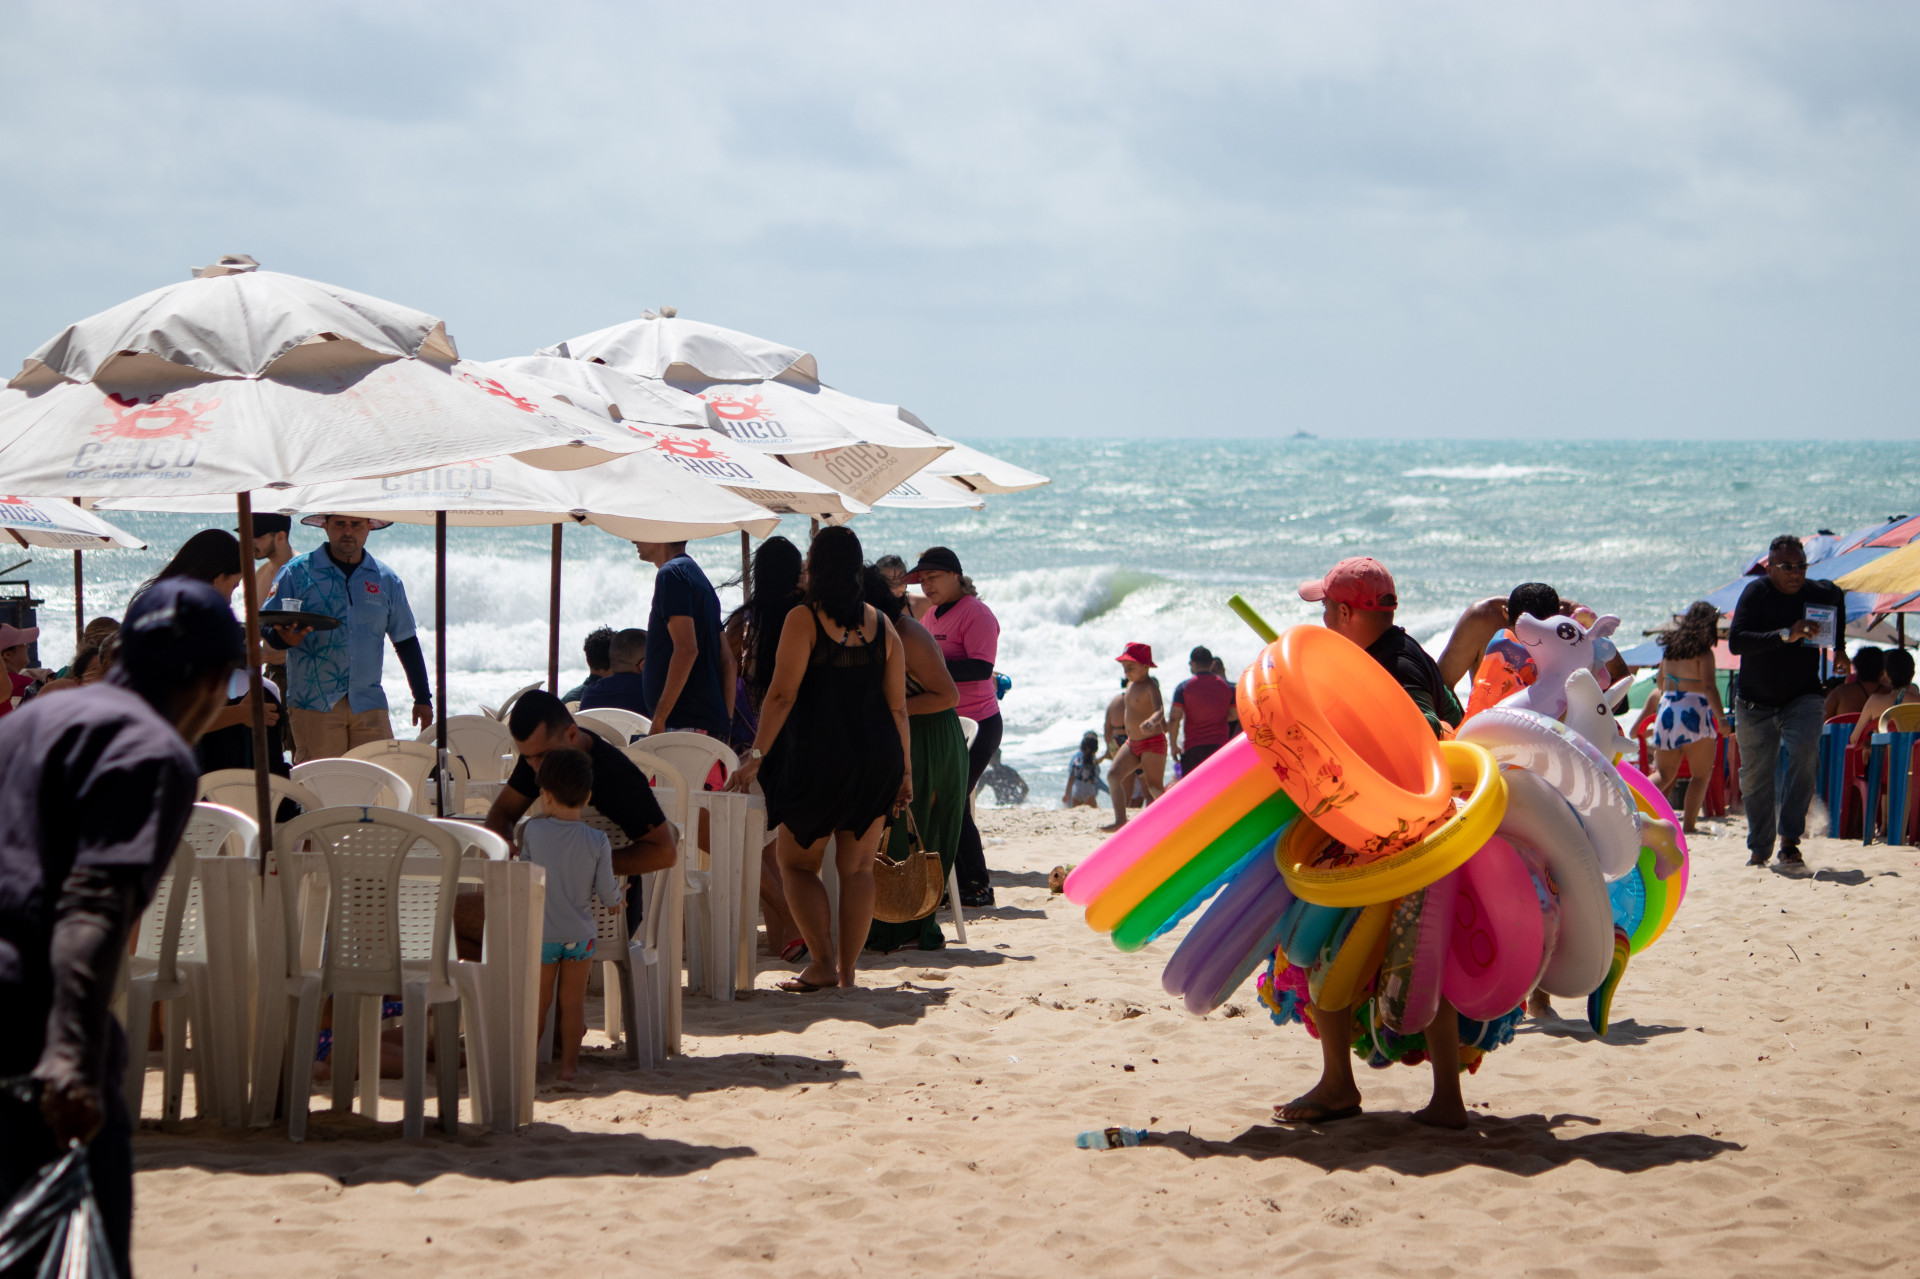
(1141, 653)
(1361, 583)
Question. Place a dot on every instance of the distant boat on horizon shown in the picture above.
(1303, 435)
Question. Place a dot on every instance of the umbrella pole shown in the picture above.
(746, 564)
(79, 609)
(256, 700)
(553, 613)
(440, 657)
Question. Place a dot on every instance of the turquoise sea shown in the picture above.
(1144, 540)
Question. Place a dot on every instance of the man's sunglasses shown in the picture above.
(1789, 566)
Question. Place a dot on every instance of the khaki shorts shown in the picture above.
(331, 734)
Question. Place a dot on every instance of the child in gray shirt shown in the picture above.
(579, 865)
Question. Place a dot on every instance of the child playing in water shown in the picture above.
(579, 865)
(1084, 783)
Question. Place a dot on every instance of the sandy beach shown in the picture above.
(1752, 1112)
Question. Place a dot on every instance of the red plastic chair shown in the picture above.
(1718, 788)
(1853, 782)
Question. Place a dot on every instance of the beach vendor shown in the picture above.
(1359, 601)
(96, 787)
(334, 697)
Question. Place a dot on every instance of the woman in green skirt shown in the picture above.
(939, 760)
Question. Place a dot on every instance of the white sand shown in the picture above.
(1753, 1112)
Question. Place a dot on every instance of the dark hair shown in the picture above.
(567, 775)
(775, 590)
(206, 555)
(878, 592)
(536, 709)
(628, 646)
(834, 562)
(86, 657)
(1900, 668)
(1695, 634)
(1532, 599)
(1785, 542)
(267, 522)
(598, 647)
(1201, 654)
(1869, 664)
(889, 564)
(1089, 743)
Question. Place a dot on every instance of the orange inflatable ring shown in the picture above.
(1349, 746)
(1320, 870)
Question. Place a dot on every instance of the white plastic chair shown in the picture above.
(709, 931)
(649, 989)
(694, 754)
(414, 762)
(379, 941)
(233, 788)
(507, 705)
(622, 726)
(482, 741)
(354, 782)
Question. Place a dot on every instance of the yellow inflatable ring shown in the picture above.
(1320, 870)
(1358, 958)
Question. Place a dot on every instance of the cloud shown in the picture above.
(1056, 219)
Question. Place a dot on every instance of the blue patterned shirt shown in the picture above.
(329, 665)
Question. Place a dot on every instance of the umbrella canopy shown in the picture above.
(770, 398)
(241, 379)
(48, 521)
(686, 432)
(931, 493)
(1894, 571)
(980, 472)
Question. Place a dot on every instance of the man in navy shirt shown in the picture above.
(623, 687)
(96, 786)
(689, 672)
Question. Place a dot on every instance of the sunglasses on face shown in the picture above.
(1791, 566)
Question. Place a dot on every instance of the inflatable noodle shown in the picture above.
(1227, 818)
(1539, 818)
(1494, 953)
(1232, 764)
(1415, 961)
(1319, 869)
(1239, 952)
(1217, 921)
(1344, 976)
(1598, 794)
(1309, 929)
(1344, 739)
(1316, 969)
(1185, 890)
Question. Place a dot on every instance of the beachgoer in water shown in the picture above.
(598, 650)
(835, 741)
(969, 638)
(579, 865)
(939, 754)
(1145, 753)
(1084, 782)
(1689, 721)
(1359, 603)
(1203, 718)
(624, 687)
(1869, 678)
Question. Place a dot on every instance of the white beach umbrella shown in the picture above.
(49, 521)
(977, 471)
(770, 397)
(687, 433)
(926, 492)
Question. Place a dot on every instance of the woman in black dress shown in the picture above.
(835, 745)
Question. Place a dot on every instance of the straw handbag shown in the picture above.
(907, 890)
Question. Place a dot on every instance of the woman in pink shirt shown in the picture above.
(969, 638)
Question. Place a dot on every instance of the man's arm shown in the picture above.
(686, 651)
(1175, 717)
(406, 644)
(508, 807)
(653, 851)
(1743, 635)
(1471, 635)
(96, 908)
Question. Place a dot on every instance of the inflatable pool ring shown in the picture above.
(1344, 739)
(1587, 715)
(1648, 796)
(1188, 888)
(1536, 864)
(1538, 817)
(1555, 752)
(1600, 1002)
(1248, 946)
(1494, 952)
(1322, 870)
(1414, 967)
(1309, 929)
(1628, 897)
(1216, 922)
(1506, 669)
(1231, 767)
(1316, 968)
(1244, 814)
(1343, 977)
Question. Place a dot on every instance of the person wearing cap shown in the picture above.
(1203, 717)
(1358, 600)
(969, 638)
(1145, 752)
(270, 534)
(334, 696)
(14, 656)
(96, 787)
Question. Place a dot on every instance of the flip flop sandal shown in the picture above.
(794, 951)
(794, 985)
(1318, 1114)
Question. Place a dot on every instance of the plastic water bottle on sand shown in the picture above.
(1109, 1138)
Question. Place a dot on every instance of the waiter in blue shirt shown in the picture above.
(334, 697)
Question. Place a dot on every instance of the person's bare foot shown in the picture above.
(567, 1072)
(1437, 1114)
(1113, 826)
(1539, 1006)
(1320, 1104)
(813, 977)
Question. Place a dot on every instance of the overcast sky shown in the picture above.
(1040, 219)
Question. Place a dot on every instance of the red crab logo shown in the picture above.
(676, 446)
(492, 387)
(736, 410)
(373, 588)
(133, 420)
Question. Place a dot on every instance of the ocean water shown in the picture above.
(1145, 540)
